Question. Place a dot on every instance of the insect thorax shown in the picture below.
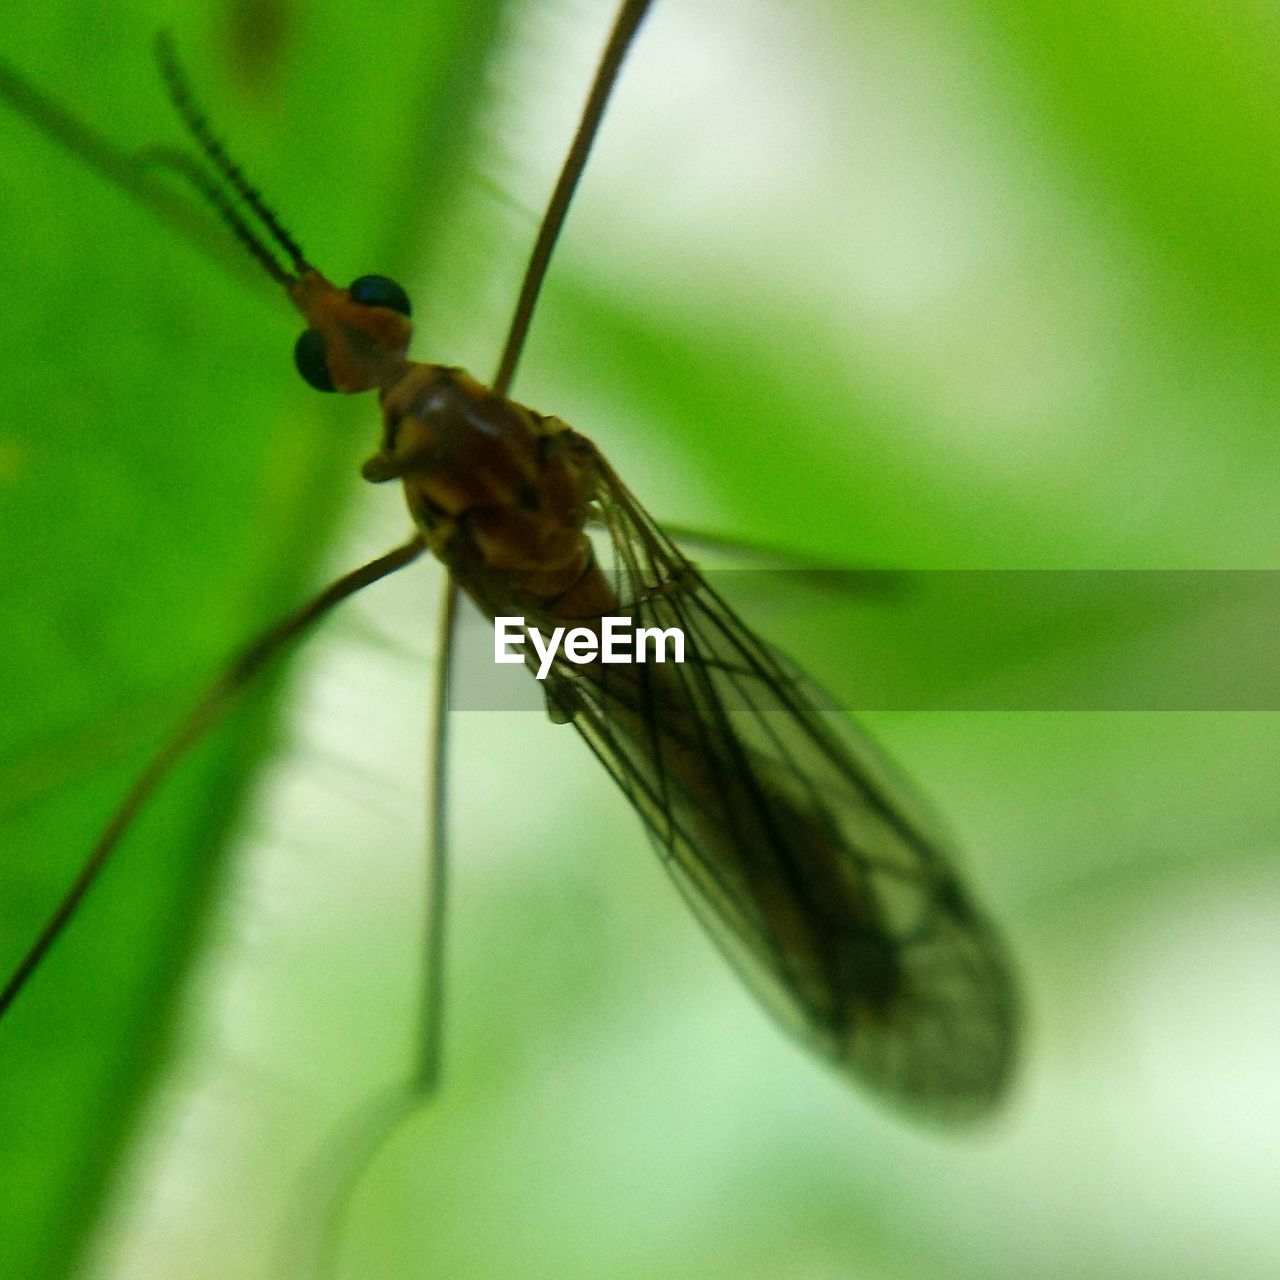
(501, 493)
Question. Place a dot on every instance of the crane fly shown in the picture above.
(812, 863)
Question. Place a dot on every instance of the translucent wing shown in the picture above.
(811, 862)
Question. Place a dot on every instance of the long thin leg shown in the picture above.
(624, 30)
(362, 1135)
(427, 1072)
(808, 572)
(202, 716)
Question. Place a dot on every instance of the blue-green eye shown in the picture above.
(378, 291)
(309, 356)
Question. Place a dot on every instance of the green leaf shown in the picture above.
(168, 487)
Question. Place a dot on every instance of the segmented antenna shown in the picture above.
(179, 87)
(191, 170)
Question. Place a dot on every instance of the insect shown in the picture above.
(811, 862)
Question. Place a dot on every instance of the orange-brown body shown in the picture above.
(502, 494)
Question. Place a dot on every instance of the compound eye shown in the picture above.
(378, 291)
(309, 356)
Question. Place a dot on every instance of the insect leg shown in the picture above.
(311, 1244)
(427, 1069)
(625, 26)
(203, 715)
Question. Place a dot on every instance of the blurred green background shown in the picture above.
(975, 285)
